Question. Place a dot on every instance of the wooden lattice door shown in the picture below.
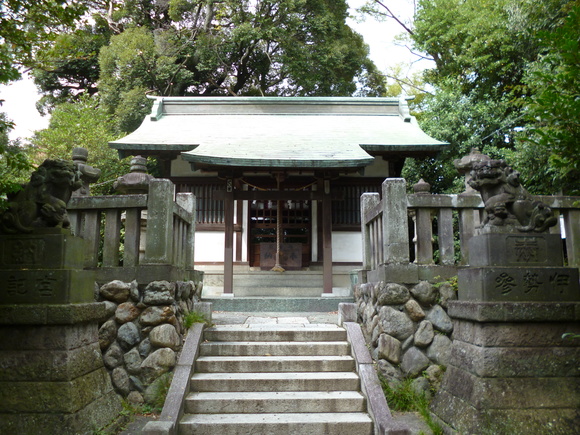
(295, 228)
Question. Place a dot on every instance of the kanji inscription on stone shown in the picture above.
(505, 282)
(526, 250)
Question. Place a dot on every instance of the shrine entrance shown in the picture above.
(295, 233)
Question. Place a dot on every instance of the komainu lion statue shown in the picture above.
(506, 201)
(42, 202)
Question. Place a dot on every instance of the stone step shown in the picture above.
(279, 348)
(301, 381)
(278, 291)
(259, 364)
(274, 333)
(350, 423)
(288, 279)
(275, 402)
(278, 304)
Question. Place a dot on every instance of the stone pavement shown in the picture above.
(412, 419)
(231, 318)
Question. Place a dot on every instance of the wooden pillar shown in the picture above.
(326, 238)
(239, 220)
(229, 237)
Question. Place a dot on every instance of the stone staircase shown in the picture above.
(275, 379)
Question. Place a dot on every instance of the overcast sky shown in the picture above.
(20, 97)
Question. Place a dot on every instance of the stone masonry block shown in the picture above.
(512, 392)
(54, 397)
(88, 420)
(204, 308)
(59, 250)
(495, 249)
(514, 311)
(51, 365)
(513, 334)
(48, 337)
(346, 312)
(516, 362)
(514, 284)
(54, 286)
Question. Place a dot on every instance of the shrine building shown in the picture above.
(278, 180)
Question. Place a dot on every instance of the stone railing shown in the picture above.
(135, 236)
(405, 228)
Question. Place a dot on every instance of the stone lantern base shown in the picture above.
(53, 379)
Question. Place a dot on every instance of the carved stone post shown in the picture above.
(159, 246)
(53, 379)
(395, 221)
(511, 370)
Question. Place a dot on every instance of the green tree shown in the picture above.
(14, 162)
(28, 24)
(548, 148)
(69, 67)
(86, 124)
(232, 47)
(465, 122)
(481, 50)
(25, 25)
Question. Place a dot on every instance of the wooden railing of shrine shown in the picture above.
(128, 231)
(421, 228)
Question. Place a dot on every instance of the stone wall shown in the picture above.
(142, 333)
(408, 329)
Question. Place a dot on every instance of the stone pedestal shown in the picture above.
(53, 379)
(510, 371)
(517, 267)
(45, 267)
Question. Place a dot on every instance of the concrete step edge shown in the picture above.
(274, 348)
(275, 375)
(269, 395)
(273, 418)
(285, 364)
(291, 381)
(271, 334)
(275, 402)
(282, 424)
(268, 358)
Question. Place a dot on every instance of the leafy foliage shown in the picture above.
(27, 24)
(194, 317)
(465, 122)
(548, 151)
(266, 47)
(14, 162)
(483, 51)
(69, 67)
(403, 397)
(85, 124)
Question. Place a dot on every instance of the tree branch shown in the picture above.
(401, 81)
(391, 15)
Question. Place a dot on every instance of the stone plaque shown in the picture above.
(519, 284)
(290, 255)
(516, 250)
(46, 286)
(57, 249)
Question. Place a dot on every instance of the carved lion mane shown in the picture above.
(506, 201)
(42, 202)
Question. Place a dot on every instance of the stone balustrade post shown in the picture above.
(187, 201)
(395, 221)
(159, 245)
(368, 201)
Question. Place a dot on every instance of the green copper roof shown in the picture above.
(279, 132)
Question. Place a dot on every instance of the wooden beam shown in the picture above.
(275, 195)
(229, 237)
(326, 237)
